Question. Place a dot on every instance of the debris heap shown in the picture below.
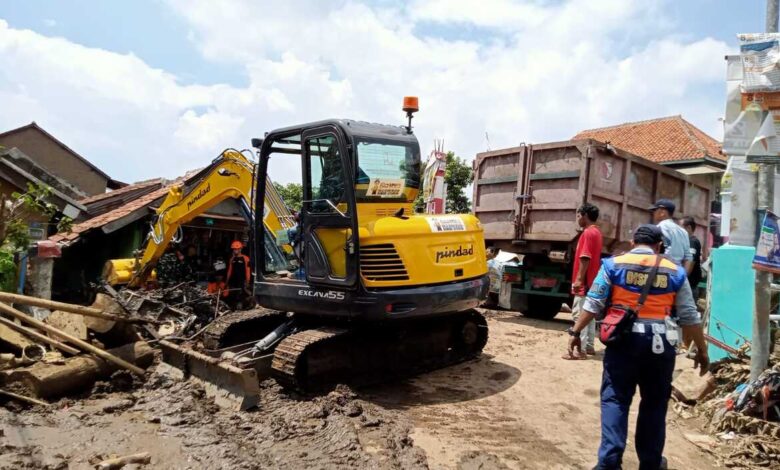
(743, 415)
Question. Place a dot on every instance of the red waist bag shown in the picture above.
(617, 323)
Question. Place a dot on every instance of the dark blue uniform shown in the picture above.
(645, 360)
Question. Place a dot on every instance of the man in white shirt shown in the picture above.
(677, 245)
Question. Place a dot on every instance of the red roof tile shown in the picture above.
(122, 211)
(122, 190)
(668, 139)
(108, 217)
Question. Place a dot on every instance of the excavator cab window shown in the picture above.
(326, 174)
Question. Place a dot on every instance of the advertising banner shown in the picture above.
(767, 256)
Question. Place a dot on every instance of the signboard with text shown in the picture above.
(767, 256)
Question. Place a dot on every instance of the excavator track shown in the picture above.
(232, 384)
(241, 327)
(317, 358)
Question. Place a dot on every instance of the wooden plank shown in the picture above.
(480, 209)
(584, 184)
(84, 346)
(608, 196)
(556, 175)
(550, 237)
(624, 191)
(505, 151)
(555, 206)
(6, 323)
(499, 179)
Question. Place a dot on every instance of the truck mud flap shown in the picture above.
(229, 386)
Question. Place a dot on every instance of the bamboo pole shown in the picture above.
(34, 334)
(65, 307)
(23, 398)
(83, 345)
(142, 458)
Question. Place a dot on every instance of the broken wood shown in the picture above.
(34, 334)
(119, 462)
(83, 345)
(22, 398)
(75, 373)
(73, 325)
(10, 338)
(65, 307)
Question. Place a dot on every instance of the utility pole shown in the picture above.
(759, 353)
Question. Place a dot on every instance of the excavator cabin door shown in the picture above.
(328, 214)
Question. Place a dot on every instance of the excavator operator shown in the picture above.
(238, 274)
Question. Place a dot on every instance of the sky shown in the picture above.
(157, 87)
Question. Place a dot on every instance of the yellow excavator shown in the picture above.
(229, 176)
(375, 291)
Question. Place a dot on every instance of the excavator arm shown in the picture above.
(229, 176)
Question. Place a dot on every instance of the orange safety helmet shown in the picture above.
(236, 245)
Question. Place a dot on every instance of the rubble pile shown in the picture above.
(744, 416)
(180, 311)
(68, 351)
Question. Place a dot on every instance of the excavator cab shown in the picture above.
(345, 166)
(364, 253)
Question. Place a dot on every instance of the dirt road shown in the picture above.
(519, 406)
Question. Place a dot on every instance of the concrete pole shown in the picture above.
(759, 354)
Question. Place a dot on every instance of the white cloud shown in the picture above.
(540, 71)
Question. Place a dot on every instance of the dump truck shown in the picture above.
(526, 199)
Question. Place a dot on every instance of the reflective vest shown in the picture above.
(628, 274)
(238, 272)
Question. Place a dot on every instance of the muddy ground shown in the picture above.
(518, 406)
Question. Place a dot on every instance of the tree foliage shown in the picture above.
(458, 176)
(292, 194)
(14, 232)
(7, 271)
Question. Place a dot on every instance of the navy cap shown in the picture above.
(648, 234)
(663, 204)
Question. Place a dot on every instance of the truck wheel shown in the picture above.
(491, 301)
(543, 307)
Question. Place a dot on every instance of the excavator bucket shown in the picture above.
(230, 386)
(118, 272)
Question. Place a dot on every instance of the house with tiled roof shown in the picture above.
(118, 225)
(58, 159)
(670, 141)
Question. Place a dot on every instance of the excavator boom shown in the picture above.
(229, 176)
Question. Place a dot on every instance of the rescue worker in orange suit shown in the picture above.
(645, 357)
(238, 274)
(217, 285)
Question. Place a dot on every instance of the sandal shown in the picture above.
(574, 357)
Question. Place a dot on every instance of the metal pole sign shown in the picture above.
(767, 256)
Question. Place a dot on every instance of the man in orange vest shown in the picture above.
(238, 273)
(645, 356)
